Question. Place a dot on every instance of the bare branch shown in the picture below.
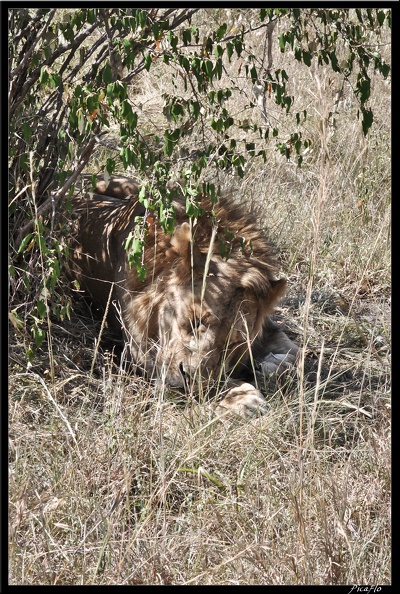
(185, 15)
(15, 101)
(27, 57)
(249, 30)
(54, 199)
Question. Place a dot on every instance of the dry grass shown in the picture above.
(115, 481)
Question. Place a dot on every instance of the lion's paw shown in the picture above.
(276, 363)
(244, 400)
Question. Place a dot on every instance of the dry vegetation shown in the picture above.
(115, 481)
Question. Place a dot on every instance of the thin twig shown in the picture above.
(54, 199)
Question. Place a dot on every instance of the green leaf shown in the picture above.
(136, 246)
(129, 115)
(141, 271)
(250, 148)
(228, 123)
(91, 16)
(307, 58)
(385, 70)
(81, 121)
(167, 218)
(110, 166)
(170, 139)
(107, 73)
(110, 93)
(128, 156)
(254, 75)
(141, 17)
(78, 91)
(217, 125)
(193, 209)
(173, 40)
(39, 335)
(209, 66)
(334, 61)
(142, 196)
(364, 89)
(44, 76)
(287, 101)
(238, 46)
(155, 30)
(381, 17)
(220, 32)
(128, 241)
(55, 80)
(41, 309)
(218, 51)
(92, 102)
(186, 36)
(26, 131)
(367, 120)
(176, 111)
(147, 61)
(184, 62)
(195, 109)
(24, 242)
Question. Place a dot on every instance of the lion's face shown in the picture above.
(198, 336)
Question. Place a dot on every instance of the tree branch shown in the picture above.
(54, 199)
(15, 101)
(27, 57)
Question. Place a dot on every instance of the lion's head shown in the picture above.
(196, 311)
(201, 311)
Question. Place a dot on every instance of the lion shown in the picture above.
(198, 315)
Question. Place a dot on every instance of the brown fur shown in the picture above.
(195, 311)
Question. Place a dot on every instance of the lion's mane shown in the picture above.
(196, 309)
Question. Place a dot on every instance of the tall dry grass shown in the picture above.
(113, 480)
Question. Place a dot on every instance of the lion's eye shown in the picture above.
(200, 323)
(197, 323)
(233, 345)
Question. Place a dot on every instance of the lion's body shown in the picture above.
(195, 311)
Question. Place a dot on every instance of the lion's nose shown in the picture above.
(185, 378)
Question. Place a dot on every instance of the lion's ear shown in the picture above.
(180, 241)
(263, 287)
(276, 292)
(278, 289)
(179, 252)
(267, 291)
